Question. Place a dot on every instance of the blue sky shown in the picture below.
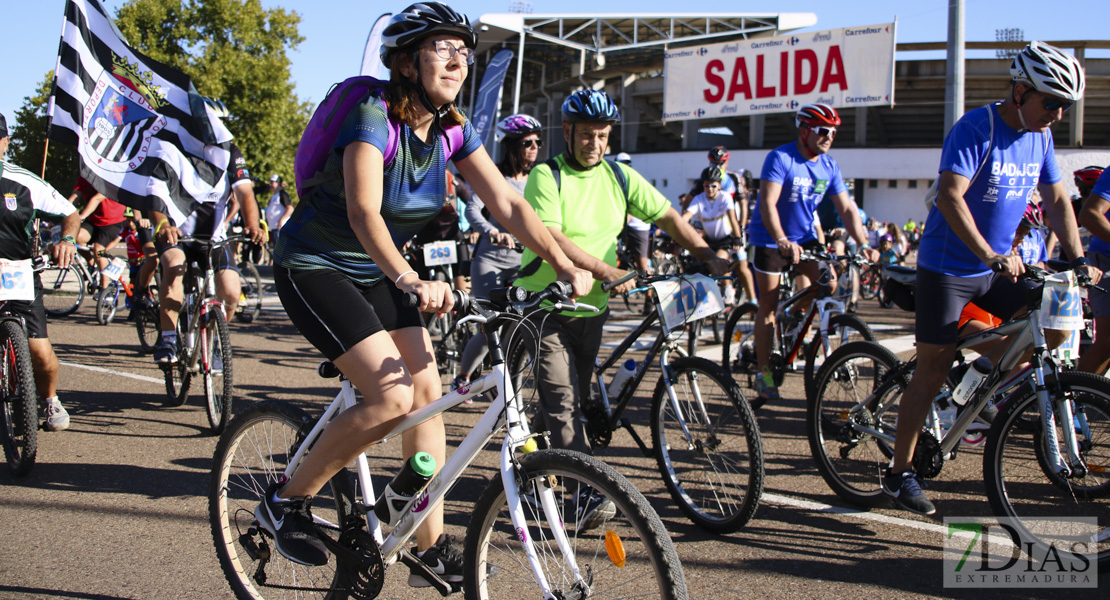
(335, 30)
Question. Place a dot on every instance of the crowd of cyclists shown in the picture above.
(341, 274)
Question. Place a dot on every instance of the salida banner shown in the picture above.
(846, 67)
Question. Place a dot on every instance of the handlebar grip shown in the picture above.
(410, 300)
(563, 287)
(615, 283)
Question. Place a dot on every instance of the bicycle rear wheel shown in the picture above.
(738, 347)
(149, 327)
(842, 329)
(628, 555)
(253, 453)
(852, 392)
(107, 301)
(62, 290)
(1021, 485)
(219, 389)
(20, 400)
(715, 476)
(250, 300)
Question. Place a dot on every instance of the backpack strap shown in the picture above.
(618, 174)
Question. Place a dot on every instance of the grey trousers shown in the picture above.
(564, 372)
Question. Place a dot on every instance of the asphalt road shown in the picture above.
(116, 506)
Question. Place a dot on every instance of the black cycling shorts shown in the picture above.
(772, 262)
(941, 298)
(33, 313)
(102, 234)
(334, 313)
(638, 242)
(221, 257)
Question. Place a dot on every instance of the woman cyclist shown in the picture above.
(341, 277)
(496, 261)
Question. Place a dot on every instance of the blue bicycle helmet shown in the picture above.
(590, 106)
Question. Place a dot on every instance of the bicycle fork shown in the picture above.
(1049, 408)
(672, 396)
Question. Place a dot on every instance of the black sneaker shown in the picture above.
(165, 352)
(443, 558)
(290, 522)
(905, 489)
(986, 415)
(590, 510)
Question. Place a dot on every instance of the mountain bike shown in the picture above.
(107, 299)
(835, 327)
(19, 406)
(63, 290)
(203, 337)
(1047, 451)
(704, 435)
(524, 538)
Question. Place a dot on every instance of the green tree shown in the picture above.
(28, 133)
(236, 51)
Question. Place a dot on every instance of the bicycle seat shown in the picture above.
(907, 275)
(328, 370)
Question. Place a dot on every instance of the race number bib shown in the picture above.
(1061, 305)
(440, 253)
(687, 298)
(114, 270)
(17, 280)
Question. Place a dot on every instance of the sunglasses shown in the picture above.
(829, 132)
(446, 51)
(1053, 103)
(529, 143)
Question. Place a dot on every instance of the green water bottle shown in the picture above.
(416, 474)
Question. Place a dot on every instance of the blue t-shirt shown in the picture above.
(804, 184)
(319, 235)
(1032, 248)
(1001, 185)
(1101, 189)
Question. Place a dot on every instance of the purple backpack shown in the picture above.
(323, 129)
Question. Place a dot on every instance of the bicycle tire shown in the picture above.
(250, 282)
(219, 387)
(837, 334)
(495, 566)
(869, 282)
(852, 462)
(1018, 483)
(738, 348)
(251, 454)
(717, 478)
(19, 435)
(106, 303)
(149, 327)
(62, 290)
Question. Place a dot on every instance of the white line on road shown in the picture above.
(851, 512)
(111, 372)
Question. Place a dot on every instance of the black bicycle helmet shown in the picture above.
(718, 155)
(711, 174)
(590, 106)
(421, 20)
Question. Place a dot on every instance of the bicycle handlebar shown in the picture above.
(515, 299)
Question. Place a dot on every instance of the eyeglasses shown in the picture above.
(711, 186)
(446, 51)
(529, 143)
(829, 132)
(1054, 103)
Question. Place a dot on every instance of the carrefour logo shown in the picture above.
(702, 51)
(793, 41)
(700, 112)
(792, 104)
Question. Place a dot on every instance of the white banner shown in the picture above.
(841, 67)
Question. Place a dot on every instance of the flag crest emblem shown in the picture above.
(118, 124)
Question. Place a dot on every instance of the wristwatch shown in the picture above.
(1081, 261)
(69, 238)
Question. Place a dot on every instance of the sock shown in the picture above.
(170, 335)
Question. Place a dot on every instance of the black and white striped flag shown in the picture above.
(144, 134)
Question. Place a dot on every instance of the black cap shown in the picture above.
(3, 126)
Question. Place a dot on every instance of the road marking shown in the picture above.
(851, 512)
(111, 372)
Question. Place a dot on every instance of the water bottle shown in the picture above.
(975, 375)
(621, 378)
(416, 473)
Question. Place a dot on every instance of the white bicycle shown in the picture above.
(526, 538)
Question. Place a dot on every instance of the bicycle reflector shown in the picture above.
(615, 547)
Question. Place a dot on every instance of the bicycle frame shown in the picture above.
(499, 414)
(193, 283)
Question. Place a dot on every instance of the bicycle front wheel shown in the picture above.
(627, 555)
(252, 454)
(62, 290)
(1021, 484)
(106, 303)
(219, 390)
(842, 329)
(716, 473)
(149, 327)
(855, 395)
(20, 400)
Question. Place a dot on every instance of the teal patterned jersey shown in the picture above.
(319, 236)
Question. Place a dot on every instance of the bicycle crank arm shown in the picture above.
(635, 436)
(444, 588)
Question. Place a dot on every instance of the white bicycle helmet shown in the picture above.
(1049, 70)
